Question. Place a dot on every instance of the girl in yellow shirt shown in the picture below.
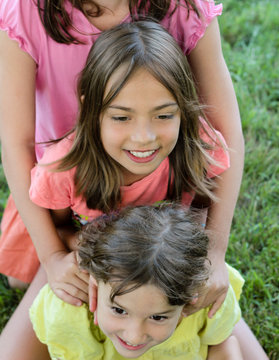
(149, 264)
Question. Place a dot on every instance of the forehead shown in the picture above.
(143, 301)
(141, 85)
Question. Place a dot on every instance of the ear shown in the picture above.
(92, 293)
(81, 98)
(93, 281)
(195, 299)
(184, 312)
(190, 308)
(95, 318)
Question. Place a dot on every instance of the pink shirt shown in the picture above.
(56, 190)
(58, 65)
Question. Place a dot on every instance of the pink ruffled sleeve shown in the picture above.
(20, 20)
(188, 30)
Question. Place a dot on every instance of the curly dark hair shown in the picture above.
(158, 245)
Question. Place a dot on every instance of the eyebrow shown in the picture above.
(157, 313)
(124, 108)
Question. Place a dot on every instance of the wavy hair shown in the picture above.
(162, 246)
(58, 23)
(133, 46)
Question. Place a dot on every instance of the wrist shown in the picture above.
(217, 255)
(53, 256)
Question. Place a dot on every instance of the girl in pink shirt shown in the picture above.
(139, 118)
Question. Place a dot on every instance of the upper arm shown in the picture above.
(214, 83)
(17, 94)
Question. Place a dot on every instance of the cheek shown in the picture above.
(171, 138)
(162, 334)
(111, 138)
(172, 132)
(103, 322)
(106, 322)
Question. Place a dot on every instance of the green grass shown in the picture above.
(251, 45)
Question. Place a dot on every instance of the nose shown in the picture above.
(143, 132)
(135, 333)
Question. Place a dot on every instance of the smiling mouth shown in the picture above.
(142, 154)
(129, 346)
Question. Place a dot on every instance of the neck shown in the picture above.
(113, 12)
(112, 5)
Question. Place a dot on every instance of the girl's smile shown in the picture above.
(138, 320)
(129, 346)
(142, 156)
(140, 127)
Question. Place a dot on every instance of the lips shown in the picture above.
(129, 346)
(142, 156)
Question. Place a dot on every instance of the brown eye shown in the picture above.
(118, 310)
(158, 317)
(165, 117)
(120, 118)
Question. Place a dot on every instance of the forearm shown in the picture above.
(37, 220)
(216, 91)
(17, 130)
(228, 184)
(220, 213)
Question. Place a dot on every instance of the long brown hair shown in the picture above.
(133, 46)
(58, 24)
(162, 246)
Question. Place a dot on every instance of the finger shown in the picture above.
(84, 271)
(63, 295)
(80, 284)
(71, 294)
(83, 277)
(216, 305)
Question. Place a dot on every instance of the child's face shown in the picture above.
(140, 127)
(138, 320)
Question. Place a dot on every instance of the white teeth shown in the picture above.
(131, 344)
(142, 154)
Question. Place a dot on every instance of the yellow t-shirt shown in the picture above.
(70, 333)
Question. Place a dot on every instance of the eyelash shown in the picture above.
(120, 118)
(125, 118)
(158, 318)
(118, 311)
(165, 117)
